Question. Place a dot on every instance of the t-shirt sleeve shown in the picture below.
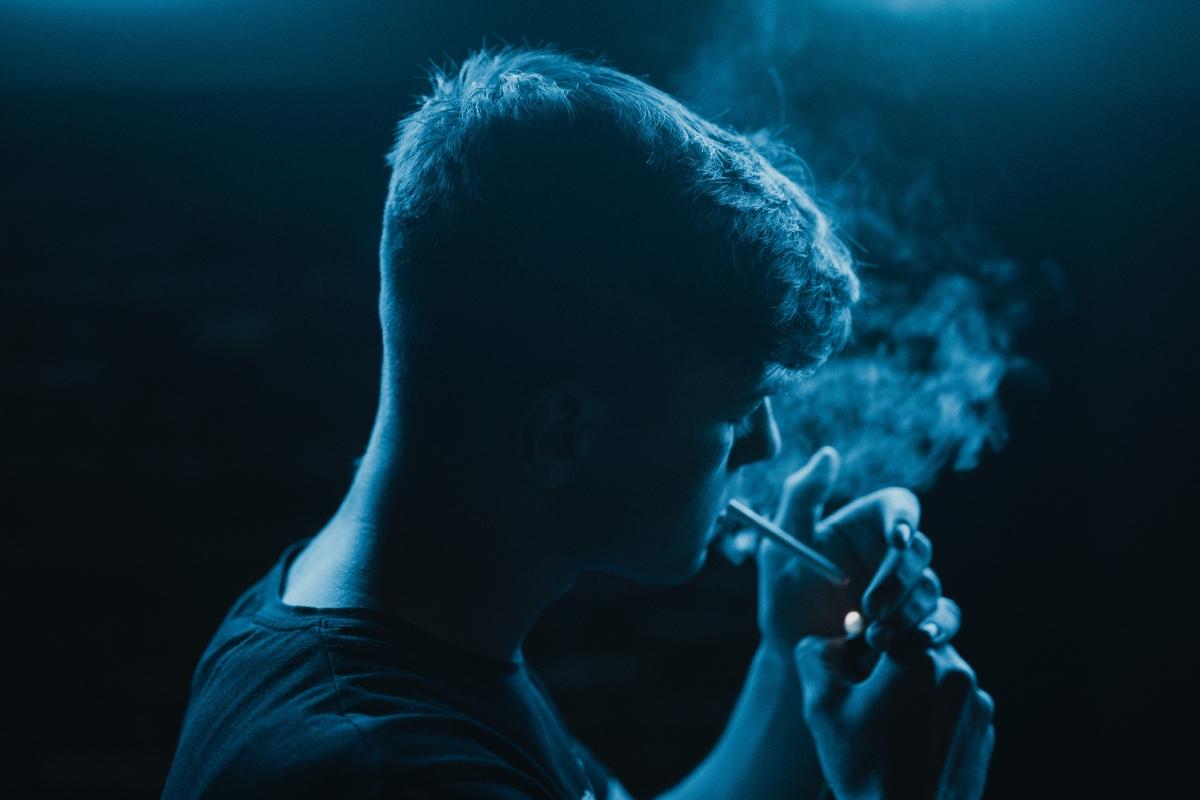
(456, 759)
(480, 776)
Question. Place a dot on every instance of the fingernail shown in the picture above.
(931, 630)
(901, 534)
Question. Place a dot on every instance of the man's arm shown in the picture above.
(766, 750)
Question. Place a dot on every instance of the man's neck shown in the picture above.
(481, 590)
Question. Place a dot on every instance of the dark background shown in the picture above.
(190, 214)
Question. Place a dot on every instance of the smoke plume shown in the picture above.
(917, 390)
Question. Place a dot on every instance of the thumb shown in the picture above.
(805, 492)
(817, 662)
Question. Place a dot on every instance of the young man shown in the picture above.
(588, 295)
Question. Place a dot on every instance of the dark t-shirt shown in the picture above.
(351, 703)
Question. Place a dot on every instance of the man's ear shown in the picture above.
(555, 435)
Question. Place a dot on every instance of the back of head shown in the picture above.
(554, 219)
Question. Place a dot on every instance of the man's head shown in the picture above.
(584, 287)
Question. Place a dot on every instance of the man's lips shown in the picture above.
(733, 539)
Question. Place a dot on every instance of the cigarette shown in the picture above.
(807, 556)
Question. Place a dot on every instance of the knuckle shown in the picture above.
(962, 671)
(922, 546)
(930, 582)
(917, 608)
(902, 503)
(926, 606)
(794, 481)
(950, 609)
(947, 625)
(922, 554)
(809, 645)
(986, 703)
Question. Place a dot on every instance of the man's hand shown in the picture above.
(768, 747)
(918, 726)
(887, 565)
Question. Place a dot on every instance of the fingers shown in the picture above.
(896, 577)
(985, 704)
(870, 523)
(937, 667)
(933, 632)
(805, 492)
(942, 625)
(965, 766)
(947, 664)
(920, 602)
(967, 711)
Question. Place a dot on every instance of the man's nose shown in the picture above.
(762, 443)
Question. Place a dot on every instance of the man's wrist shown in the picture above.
(777, 658)
(774, 675)
(766, 750)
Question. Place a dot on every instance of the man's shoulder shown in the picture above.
(274, 719)
(321, 702)
(417, 753)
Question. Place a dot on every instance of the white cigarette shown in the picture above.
(808, 557)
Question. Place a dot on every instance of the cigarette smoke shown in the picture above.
(917, 389)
